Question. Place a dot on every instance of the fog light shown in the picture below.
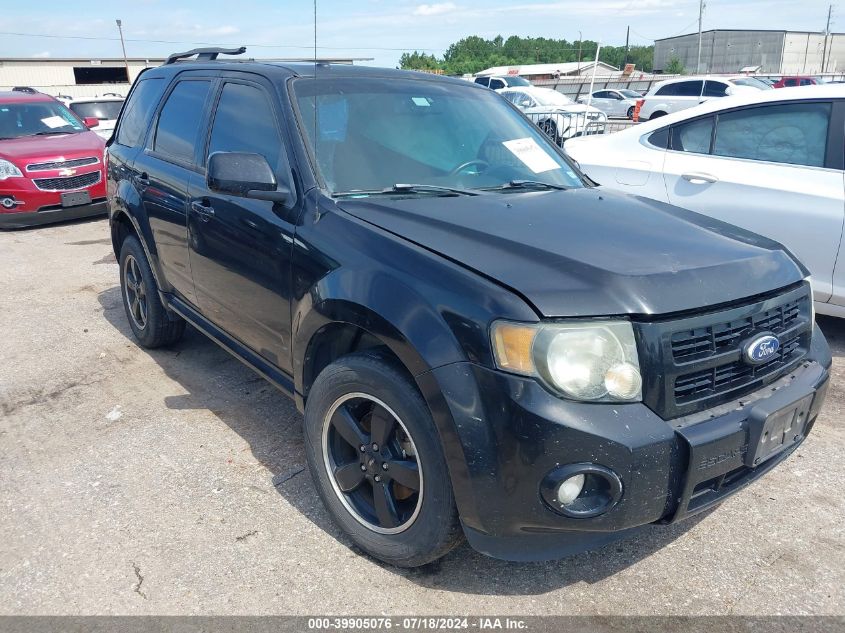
(8, 202)
(623, 381)
(569, 489)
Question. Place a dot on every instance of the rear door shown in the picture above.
(775, 169)
(241, 248)
(162, 171)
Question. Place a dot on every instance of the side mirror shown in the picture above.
(245, 175)
(90, 121)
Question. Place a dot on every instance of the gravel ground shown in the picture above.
(172, 482)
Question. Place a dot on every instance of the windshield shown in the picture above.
(512, 81)
(370, 134)
(549, 97)
(36, 118)
(752, 82)
(630, 94)
(103, 110)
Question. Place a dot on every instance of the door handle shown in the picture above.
(699, 178)
(203, 209)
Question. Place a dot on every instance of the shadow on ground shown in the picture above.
(268, 421)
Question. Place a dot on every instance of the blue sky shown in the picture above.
(381, 29)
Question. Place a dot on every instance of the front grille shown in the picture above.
(697, 362)
(69, 183)
(63, 164)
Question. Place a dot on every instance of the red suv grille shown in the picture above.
(62, 164)
(65, 184)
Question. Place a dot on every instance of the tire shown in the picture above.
(630, 113)
(152, 324)
(365, 398)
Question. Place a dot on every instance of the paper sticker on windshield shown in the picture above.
(532, 155)
(420, 101)
(54, 122)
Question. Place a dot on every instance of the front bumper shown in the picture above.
(49, 215)
(513, 432)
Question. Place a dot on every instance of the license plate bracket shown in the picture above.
(75, 198)
(771, 432)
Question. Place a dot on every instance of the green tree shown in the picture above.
(674, 67)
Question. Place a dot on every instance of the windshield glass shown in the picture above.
(370, 134)
(514, 80)
(103, 110)
(752, 82)
(37, 117)
(630, 94)
(549, 97)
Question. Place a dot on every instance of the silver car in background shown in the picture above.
(617, 103)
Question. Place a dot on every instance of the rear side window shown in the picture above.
(660, 138)
(245, 122)
(694, 136)
(139, 111)
(715, 89)
(681, 89)
(483, 81)
(794, 133)
(179, 120)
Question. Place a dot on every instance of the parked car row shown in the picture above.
(769, 161)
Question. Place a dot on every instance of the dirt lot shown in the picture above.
(172, 482)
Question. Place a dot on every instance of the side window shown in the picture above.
(715, 88)
(138, 112)
(670, 90)
(689, 88)
(179, 120)
(496, 84)
(660, 138)
(693, 137)
(483, 81)
(794, 133)
(790, 82)
(806, 82)
(245, 122)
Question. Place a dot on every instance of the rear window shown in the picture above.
(103, 110)
(139, 111)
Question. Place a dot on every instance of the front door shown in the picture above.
(241, 248)
(765, 168)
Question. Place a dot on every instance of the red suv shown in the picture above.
(51, 164)
(789, 82)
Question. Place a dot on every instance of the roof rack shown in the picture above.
(205, 54)
(25, 89)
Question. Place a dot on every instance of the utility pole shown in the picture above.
(700, 17)
(123, 46)
(580, 37)
(627, 38)
(826, 35)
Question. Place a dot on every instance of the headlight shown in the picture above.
(7, 170)
(594, 361)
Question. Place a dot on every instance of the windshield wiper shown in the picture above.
(408, 188)
(51, 132)
(526, 184)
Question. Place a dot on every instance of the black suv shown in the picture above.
(483, 342)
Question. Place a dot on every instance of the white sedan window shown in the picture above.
(792, 133)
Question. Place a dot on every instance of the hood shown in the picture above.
(30, 149)
(590, 252)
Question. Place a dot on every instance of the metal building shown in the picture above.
(86, 77)
(775, 52)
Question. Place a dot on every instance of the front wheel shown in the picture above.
(375, 456)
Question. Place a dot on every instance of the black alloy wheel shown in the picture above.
(372, 462)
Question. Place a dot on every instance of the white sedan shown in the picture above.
(619, 103)
(555, 113)
(105, 109)
(770, 161)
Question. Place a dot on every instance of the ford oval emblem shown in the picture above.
(762, 349)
